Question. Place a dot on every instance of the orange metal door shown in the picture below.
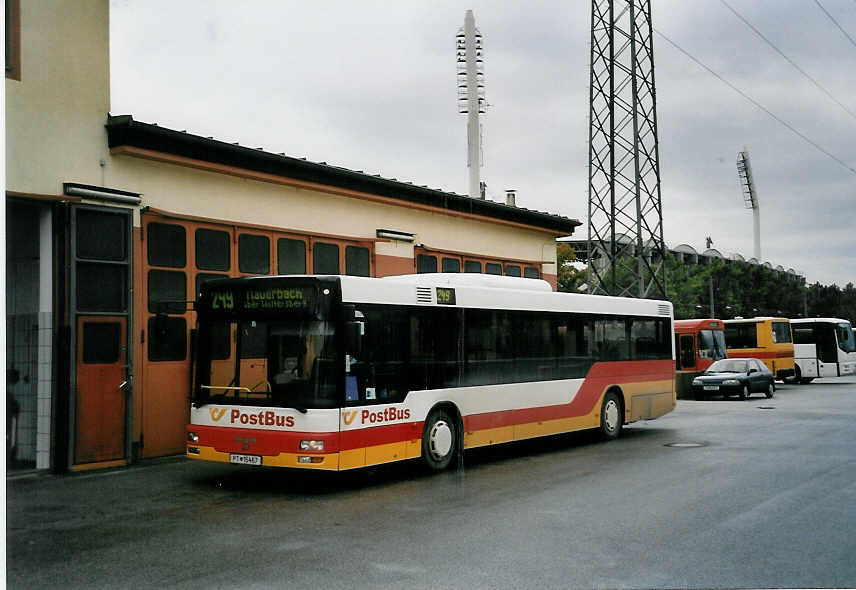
(101, 382)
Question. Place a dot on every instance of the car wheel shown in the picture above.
(770, 389)
(439, 440)
(744, 393)
(611, 419)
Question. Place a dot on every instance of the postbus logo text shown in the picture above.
(263, 418)
(379, 417)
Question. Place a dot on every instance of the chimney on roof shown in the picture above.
(511, 197)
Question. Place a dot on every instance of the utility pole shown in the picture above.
(712, 312)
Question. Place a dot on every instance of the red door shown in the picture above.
(101, 374)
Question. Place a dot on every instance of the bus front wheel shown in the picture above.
(439, 440)
(611, 418)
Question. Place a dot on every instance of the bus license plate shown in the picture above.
(245, 459)
(711, 387)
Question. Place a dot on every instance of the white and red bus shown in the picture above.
(823, 347)
(341, 372)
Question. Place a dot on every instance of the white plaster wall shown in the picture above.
(55, 114)
(189, 191)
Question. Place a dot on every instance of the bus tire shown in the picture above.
(806, 380)
(796, 377)
(439, 440)
(611, 416)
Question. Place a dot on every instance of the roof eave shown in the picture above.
(123, 130)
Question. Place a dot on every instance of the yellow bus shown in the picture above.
(767, 339)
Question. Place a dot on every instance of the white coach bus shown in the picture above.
(823, 347)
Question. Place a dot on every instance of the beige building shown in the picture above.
(113, 223)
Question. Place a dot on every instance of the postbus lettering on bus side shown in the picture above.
(368, 416)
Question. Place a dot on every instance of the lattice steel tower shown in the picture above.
(626, 252)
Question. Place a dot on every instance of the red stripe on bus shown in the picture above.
(782, 354)
(601, 376)
(380, 435)
(260, 442)
(267, 442)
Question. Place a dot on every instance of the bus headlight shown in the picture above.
(192, 437)
(312, 445)
(310, 459)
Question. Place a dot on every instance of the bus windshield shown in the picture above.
(289, 362)
(711, 344)
(846, 340)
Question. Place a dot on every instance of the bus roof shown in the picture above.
(755, 320)
(687, 326)
(491, 292)
(466, 290)
(823, 320)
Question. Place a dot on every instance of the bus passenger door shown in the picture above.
(687, 351)
(827, 352)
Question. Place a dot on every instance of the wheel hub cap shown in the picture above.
(611, 415)
(441, 439)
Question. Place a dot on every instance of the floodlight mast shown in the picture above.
(750, 198)
(471, 100)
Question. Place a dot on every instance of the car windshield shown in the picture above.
(729, 366)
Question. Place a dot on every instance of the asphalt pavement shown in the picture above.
(717, 494)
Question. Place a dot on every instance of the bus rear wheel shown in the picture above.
(439, 440)
(796, 377)
(611, 418)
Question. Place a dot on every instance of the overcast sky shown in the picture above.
(371, 86)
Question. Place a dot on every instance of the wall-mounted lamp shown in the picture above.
(391, 234)
(101, 193)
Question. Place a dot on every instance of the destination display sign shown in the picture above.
(445, 296)
(263, 298)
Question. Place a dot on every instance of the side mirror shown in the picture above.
(753, 371)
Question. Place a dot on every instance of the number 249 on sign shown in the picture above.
(224, 300)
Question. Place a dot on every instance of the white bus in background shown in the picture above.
(823, 347)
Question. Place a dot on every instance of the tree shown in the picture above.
(570, 278)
